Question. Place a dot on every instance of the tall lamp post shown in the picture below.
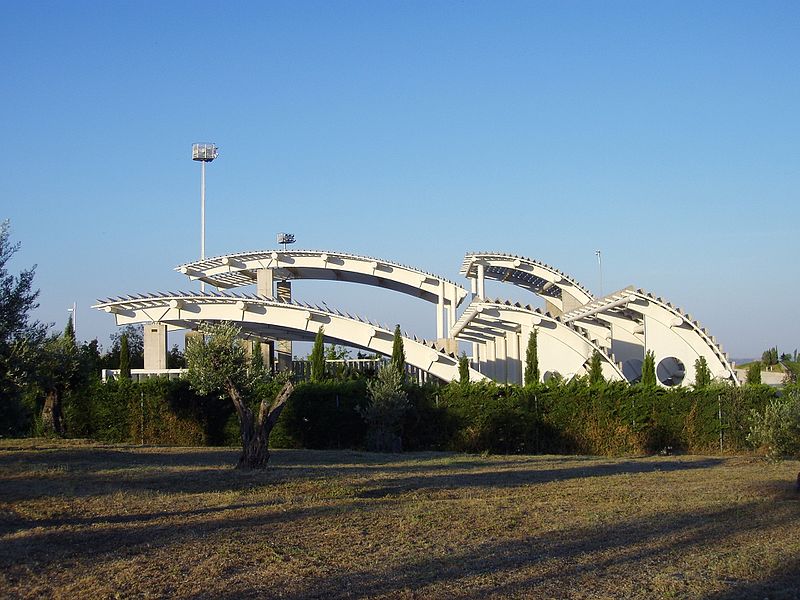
(204, 153)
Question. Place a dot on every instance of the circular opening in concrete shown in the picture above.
(670, 371)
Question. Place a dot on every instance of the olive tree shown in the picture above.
(217, 362)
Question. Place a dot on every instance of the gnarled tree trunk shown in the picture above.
(256, 430)
(51, 414)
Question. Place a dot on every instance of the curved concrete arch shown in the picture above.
(261, 268)
(560, 292)
(639, 321)
(499, 331)
(262, 318)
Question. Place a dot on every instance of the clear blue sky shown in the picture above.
(665, 134)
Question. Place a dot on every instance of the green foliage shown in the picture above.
(317, 358)
(532, 375)
(176, 359)
(385, 412)
(776, 428)
(124, 358)
(463, 368)
(596, 369)
(69, 330)
(323, 415)
(216, 361)
(754, 373)
(20, 339)
(702, 376)
(769, 358)
(649, 370)
(398, 361)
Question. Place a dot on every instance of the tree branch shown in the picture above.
(268, 417)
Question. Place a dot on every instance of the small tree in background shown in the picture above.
(69, 331)
(257, 368)
(387, 407)
(754, 373)
(317, 357)
(57, 369)
(702, 374)
(463, 368)
(596, 369)
(217, 363)
(398, 362)
(532, 359)
(649, 370)
(124, 358)
(769, 358)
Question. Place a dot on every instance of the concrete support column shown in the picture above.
(451, 313)
(512, 348)
(155, 346)
(481, 280)
(476, 358)
(502, 359)
(491, 360)
(284, 294)
(264, 283)
(440, 333)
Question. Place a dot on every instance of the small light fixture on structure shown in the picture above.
(286, 238)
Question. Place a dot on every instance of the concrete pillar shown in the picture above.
(512, 347)
(491, 360)
(481, 289)
(451, 313)
(264, 283)
(155, 346)
(283, 293)
(440, 333)
(502, 360)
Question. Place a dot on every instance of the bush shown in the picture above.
(776, 428)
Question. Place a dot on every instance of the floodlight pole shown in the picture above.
(203, 153)
(202, 211)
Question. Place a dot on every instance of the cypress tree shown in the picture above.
(596, 369)
(754, 373)
(532, 359)
(69, 331)
(702, 376)
(463, 368)
(649, 370)
(256, 361)
(317, 358)
(124, 357)
(398, 353)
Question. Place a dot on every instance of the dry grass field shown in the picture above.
(79, 520)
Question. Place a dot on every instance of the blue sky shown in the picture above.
(664, 134)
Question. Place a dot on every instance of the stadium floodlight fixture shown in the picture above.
(203, 153)
(286, 238)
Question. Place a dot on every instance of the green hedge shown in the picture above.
(575, 417)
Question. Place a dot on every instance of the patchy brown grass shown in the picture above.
(80, 520)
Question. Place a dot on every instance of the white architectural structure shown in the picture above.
(620, 327)
(264, 268)
(263, 319)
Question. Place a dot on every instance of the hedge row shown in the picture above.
(567, 418)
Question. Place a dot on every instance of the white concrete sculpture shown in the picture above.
(620, 327)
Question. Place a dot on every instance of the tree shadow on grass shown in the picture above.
(505, 478)
(559, 560)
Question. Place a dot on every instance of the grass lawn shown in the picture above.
(84, 520)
